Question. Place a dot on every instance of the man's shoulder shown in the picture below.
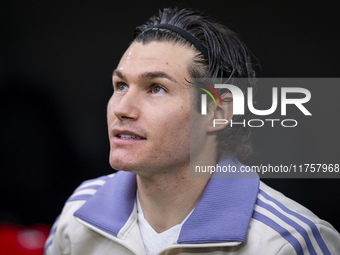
(271, 198)
(286, 221)
(82, 194)
(66, 224)
(88, 188)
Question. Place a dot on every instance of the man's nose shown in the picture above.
(127, 106)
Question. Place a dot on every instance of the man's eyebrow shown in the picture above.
(157, 74)
(118, 73)
(146, 75)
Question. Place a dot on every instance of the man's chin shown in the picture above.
(122, 165)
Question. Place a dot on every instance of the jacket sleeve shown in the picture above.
(51, 245)
(328, 243)
(330, 237)
(66, 229)
(65, 226)
(287, 249)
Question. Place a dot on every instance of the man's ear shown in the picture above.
(220, 115)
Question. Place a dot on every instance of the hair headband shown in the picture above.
(199, 46)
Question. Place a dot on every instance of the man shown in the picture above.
(157, 134)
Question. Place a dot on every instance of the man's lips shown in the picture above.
(127, 135)
(130, 137)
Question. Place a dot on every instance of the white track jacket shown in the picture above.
(233, 216)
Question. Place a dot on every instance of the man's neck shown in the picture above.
(166, 199)
(168, 195)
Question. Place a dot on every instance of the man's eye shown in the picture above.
(122, 86)
(156, 89)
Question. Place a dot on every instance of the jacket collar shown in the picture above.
(222, 214)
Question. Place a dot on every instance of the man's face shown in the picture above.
(149, 111)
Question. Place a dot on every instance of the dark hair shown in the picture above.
(228, 58)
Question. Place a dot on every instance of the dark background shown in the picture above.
(56, 60)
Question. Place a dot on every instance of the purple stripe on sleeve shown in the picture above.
(80, 197)
(282, 231)
(314, 229)
(284, 218)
